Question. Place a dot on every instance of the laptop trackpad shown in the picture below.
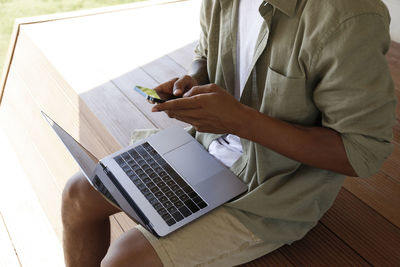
(193, 162)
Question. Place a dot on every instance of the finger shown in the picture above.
(203, 89)
(192, 121)
(167, 86)
(193, 114)
(183, 84)
(177, 104)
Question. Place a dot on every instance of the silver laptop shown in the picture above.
(162, 182)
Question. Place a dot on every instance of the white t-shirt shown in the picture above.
(227, 149)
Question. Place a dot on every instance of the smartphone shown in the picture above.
(152, 96)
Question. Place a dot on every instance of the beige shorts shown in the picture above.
(216, 239)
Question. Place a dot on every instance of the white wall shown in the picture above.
(394, 9)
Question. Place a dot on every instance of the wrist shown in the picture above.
(245, 120)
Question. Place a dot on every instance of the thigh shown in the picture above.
(216, 239)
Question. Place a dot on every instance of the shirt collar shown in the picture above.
(286, 6)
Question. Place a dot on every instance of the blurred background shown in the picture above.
(12, 9)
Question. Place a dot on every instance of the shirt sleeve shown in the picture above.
(201, 49)
(354, 90)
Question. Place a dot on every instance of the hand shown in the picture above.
(209, 108)
(176, 86)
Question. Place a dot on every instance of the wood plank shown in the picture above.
(396, 133)
(363, 229)
(161, 71)
(275, 258)
(24, 218)
(8, 254)
(380, 192)
(18, 133)
(321, 247)
(184, 55)
(393, 58)
(391, 166)
(138, 76)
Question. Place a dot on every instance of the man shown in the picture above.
(291, 95)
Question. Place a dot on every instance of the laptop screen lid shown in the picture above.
(88, 164)
(86, 160)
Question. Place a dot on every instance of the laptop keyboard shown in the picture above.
(165, 189)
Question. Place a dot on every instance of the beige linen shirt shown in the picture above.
(316, 63)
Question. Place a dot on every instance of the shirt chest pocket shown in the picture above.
(288, 99)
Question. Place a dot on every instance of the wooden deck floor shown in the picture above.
(81, 71)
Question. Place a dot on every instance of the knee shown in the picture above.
(131, 249)
(74, 197)
(116, 257)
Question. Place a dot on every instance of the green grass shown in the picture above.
(12, 9)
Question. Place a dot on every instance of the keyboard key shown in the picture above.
(175, 188)
(163, 199)
(157, 180)
(158, 194)
(177, 216)
(170, 222)
(166, 216)
(126, 169)
(119, 160)
(192, 194)
(154, 201)
(149, 196)
(171, 183)
(197, 200)
(180, 181)
(147, 180)
(133, 153)
(144, 190)
(179, 204)
(169, 194)
(187, 189)
(190, 204)
(184, 197)
(135, 179)
(168, 204)
(171, 209)
(158, 206)
(165, 188)
(174, 199)
(141, 186)
(154, 189)
(151, 185)
(185, 211)
(145, 167)
(179, 192)
(154, 165)
(202, 204)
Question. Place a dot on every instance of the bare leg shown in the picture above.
(86, 235)
(85, 216)
(131, 249)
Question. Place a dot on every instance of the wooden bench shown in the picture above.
(80, 68)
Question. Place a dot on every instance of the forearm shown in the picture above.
(316, 146)
(198, 70)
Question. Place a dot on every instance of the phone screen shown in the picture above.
(152, 96)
